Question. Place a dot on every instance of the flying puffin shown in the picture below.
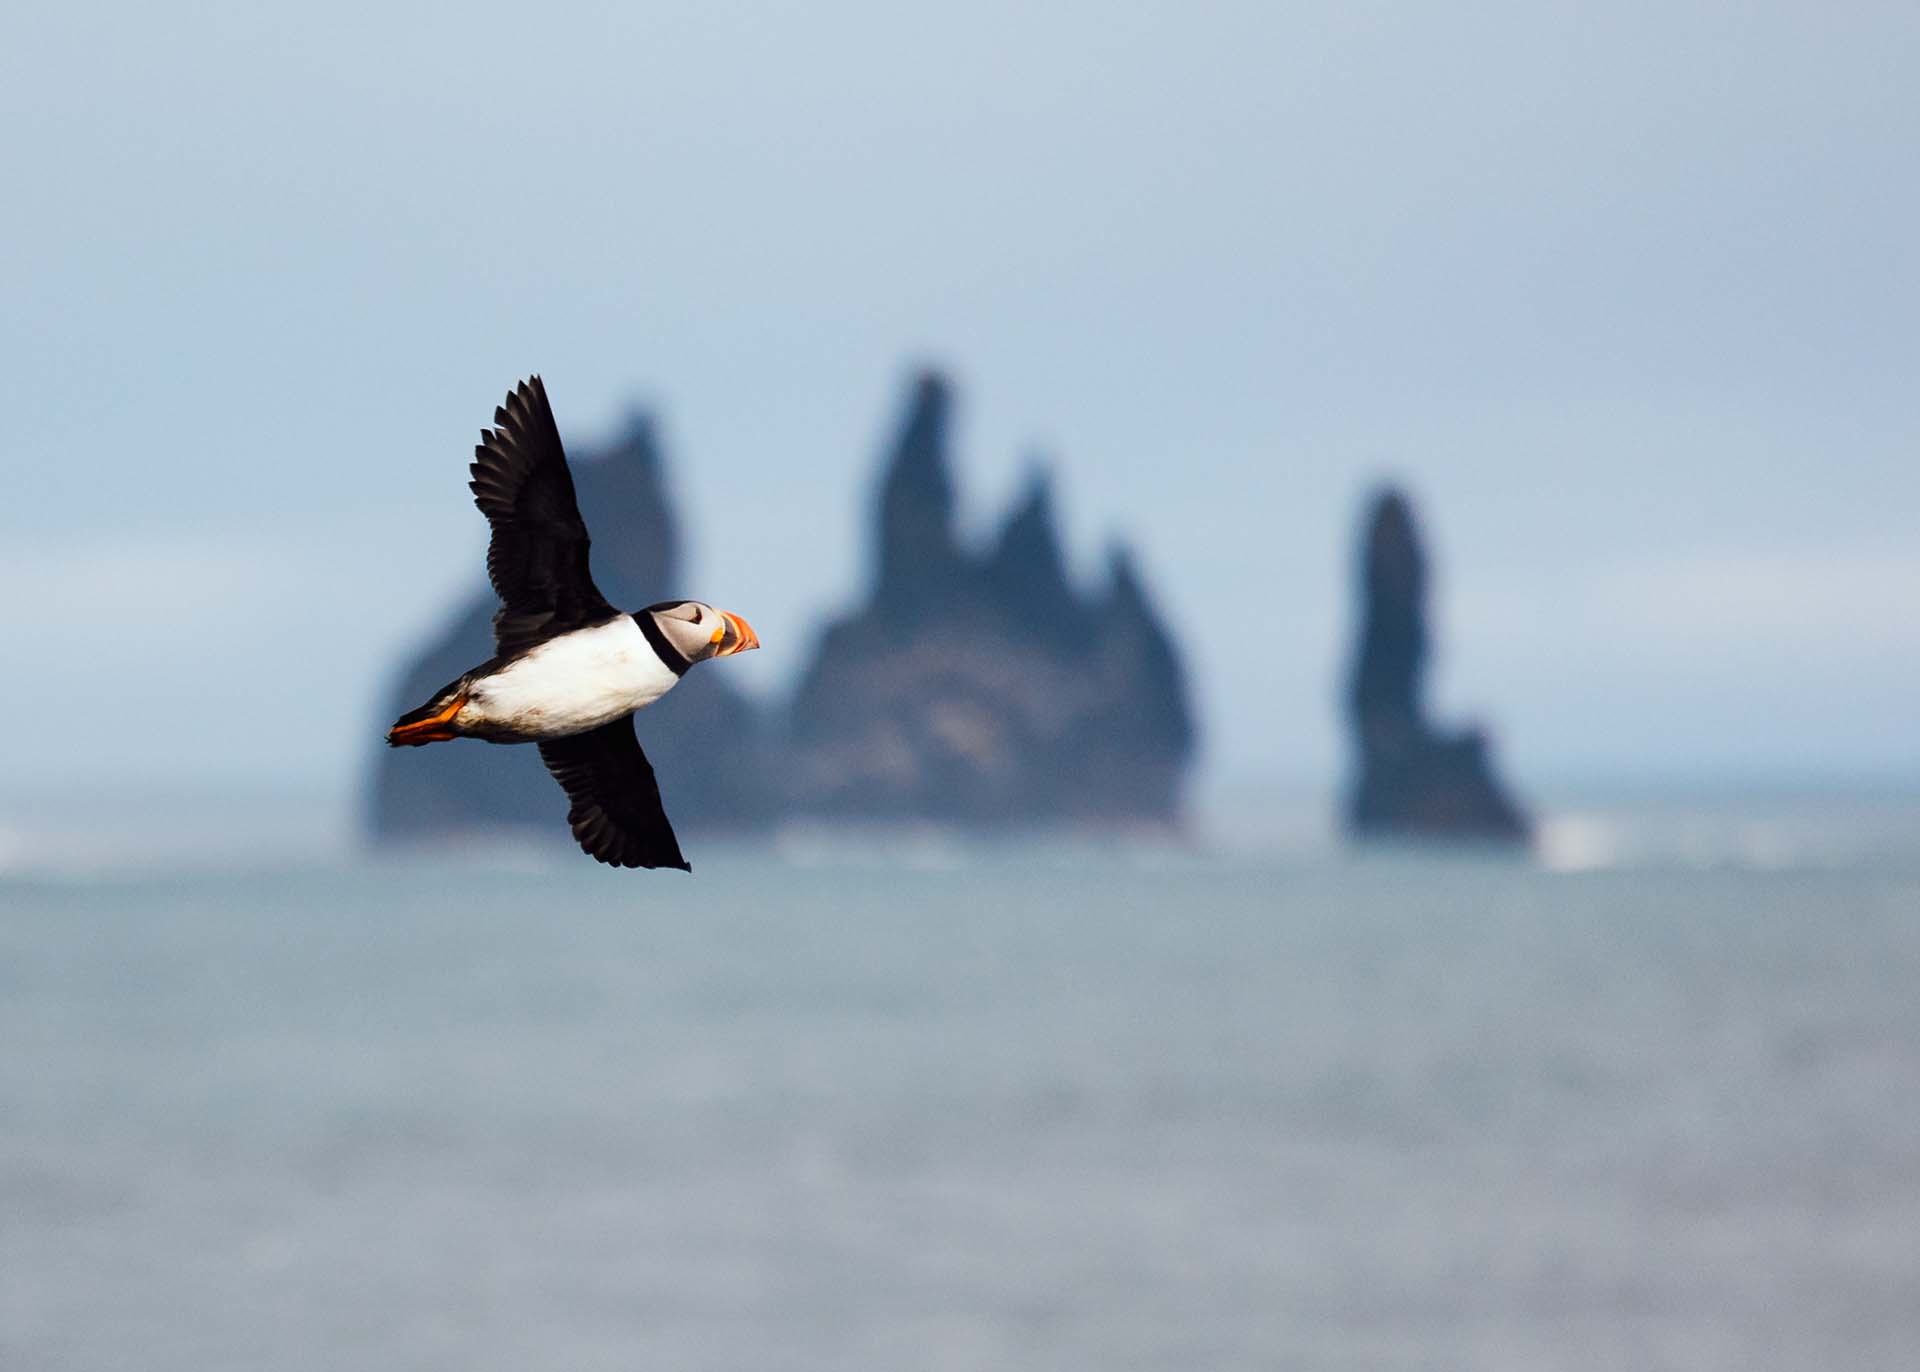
(571, 669)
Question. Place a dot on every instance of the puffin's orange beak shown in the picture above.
(739, 636)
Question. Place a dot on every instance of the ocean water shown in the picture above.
(1081, 1107)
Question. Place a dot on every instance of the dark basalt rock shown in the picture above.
(701, 737)
(981, 688)
(1414, 781)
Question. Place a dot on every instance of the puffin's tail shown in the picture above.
(432, 722)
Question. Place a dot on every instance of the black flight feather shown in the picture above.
(537, 559)
(616, 812)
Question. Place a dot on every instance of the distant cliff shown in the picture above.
(980, 687)
(1413, 780)
(636, 561)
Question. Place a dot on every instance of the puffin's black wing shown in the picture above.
(616, 812)
(537, 560)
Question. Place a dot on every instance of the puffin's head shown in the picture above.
(699, 631)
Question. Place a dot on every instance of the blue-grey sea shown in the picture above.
(832, 1105)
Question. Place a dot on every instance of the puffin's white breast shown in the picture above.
(571, 684)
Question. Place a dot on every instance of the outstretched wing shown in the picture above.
(537, 560)
(616, 812)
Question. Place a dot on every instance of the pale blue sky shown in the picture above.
(1627, 293)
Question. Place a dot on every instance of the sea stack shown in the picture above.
(1412, 780)
(469, 788)
(979, 687)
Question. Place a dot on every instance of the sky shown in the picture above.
(1625, 294)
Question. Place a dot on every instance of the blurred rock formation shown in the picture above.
(419, 793)
(977, 688)
(1413, 780)
(981, 688)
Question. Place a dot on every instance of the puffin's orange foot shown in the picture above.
(434, 728)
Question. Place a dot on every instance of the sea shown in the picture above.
(1648, 1099)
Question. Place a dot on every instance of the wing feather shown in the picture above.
(616, 812)
(537, 558)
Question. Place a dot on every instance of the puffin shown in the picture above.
(569, 669)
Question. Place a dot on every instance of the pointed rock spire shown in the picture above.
(1413, 780)
(1393, 633)
(1125, 595)
(977, 686)
(629, 476)
(918, 553)
(1027, 569)
(1141, 654)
